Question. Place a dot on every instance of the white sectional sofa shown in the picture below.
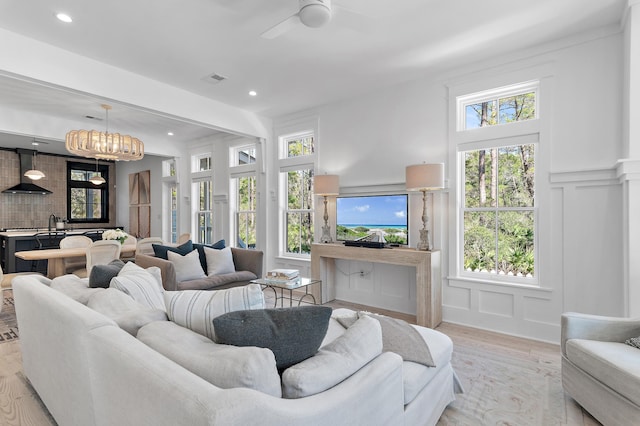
(89, 371)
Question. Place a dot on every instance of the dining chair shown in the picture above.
(44, 241)
(102, 252)
(72, 264)
(145, 245)
(183, 238)
(131, 241)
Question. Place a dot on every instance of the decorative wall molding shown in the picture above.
(590, 177)
(627, 169)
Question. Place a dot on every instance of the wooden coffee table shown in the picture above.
(290, 285)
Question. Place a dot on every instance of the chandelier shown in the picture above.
(104, 145)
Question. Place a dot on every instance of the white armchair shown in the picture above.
(599, 370)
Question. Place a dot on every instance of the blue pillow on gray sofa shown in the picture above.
(218, 245)
(292, 334)
(161, 251)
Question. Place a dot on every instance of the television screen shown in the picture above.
(381, 218)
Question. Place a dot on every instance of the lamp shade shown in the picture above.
(425, 177)
(326, 185)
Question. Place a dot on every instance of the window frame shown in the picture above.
(74, 184)
(496, 136)
(287, 164)
(170, 222)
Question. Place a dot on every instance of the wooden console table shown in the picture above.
(428, 276)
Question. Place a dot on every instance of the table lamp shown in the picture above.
(326, 185)
(425, 177)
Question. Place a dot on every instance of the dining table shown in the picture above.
(55, 257)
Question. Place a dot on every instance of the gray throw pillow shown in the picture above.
(101, 274)
(292, 334)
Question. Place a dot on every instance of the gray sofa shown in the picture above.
(89, 371)
(248, 264)
(599, 370)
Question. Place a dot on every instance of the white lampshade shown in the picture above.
(326, 185)
(425, 177)
(34, 174)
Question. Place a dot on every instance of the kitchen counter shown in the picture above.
(32, 232)
(14, 240)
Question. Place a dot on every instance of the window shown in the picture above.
(86, 202)
(497, 186)
(170, 200)
(300, 145)
(498, 210)
(246, 194)
(299, 211)
(204, 214)
(297, 157)
(243, 155)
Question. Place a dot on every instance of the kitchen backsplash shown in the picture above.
(33, 210)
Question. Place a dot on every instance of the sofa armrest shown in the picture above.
(167, 269)
(248, 260)
(596, 327)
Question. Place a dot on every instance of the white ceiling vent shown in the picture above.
(215, 78)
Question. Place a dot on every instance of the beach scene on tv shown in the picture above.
(377, 218)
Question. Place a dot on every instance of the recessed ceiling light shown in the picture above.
(64, 17)
(34, 143)
(253, 93)
(170, 133)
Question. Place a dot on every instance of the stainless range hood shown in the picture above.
(26, 186)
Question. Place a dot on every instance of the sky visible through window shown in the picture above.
(372, 210)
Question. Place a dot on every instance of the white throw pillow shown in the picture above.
(124, 310)
(334, 362)
(219, 261)
(196, 309)
(144, 285)
(187, 267)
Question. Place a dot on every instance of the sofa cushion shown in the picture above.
(75, 287)
(126, 312)
(293, 334)
(219, 261)
(213, 281)
(221, 365)
(415, 376)
(218, 245)
(187, 267)
(196, 309)
(617, 365)
(336, 361)
(160, 250)
(144, 285)
(101, 274)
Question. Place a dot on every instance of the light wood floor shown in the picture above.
(20, 405)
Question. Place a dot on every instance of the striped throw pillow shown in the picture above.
(196, 309)
(144, 285)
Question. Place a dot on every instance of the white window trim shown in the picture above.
(501, 135)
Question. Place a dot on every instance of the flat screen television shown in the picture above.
(382, 218)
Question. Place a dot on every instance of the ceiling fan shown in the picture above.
(311, 13)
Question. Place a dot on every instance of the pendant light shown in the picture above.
(97, 179)
(34, 173)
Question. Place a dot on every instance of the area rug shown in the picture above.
(8, 324)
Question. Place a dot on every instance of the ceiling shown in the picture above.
(367, 45)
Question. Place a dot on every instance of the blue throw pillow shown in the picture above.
(292, 334)
(183, 249)
(218, 245)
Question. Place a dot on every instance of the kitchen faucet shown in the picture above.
(52, 224)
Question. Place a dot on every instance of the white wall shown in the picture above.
(370, 140)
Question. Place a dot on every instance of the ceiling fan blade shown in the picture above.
(282, 27)
(348, 18)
